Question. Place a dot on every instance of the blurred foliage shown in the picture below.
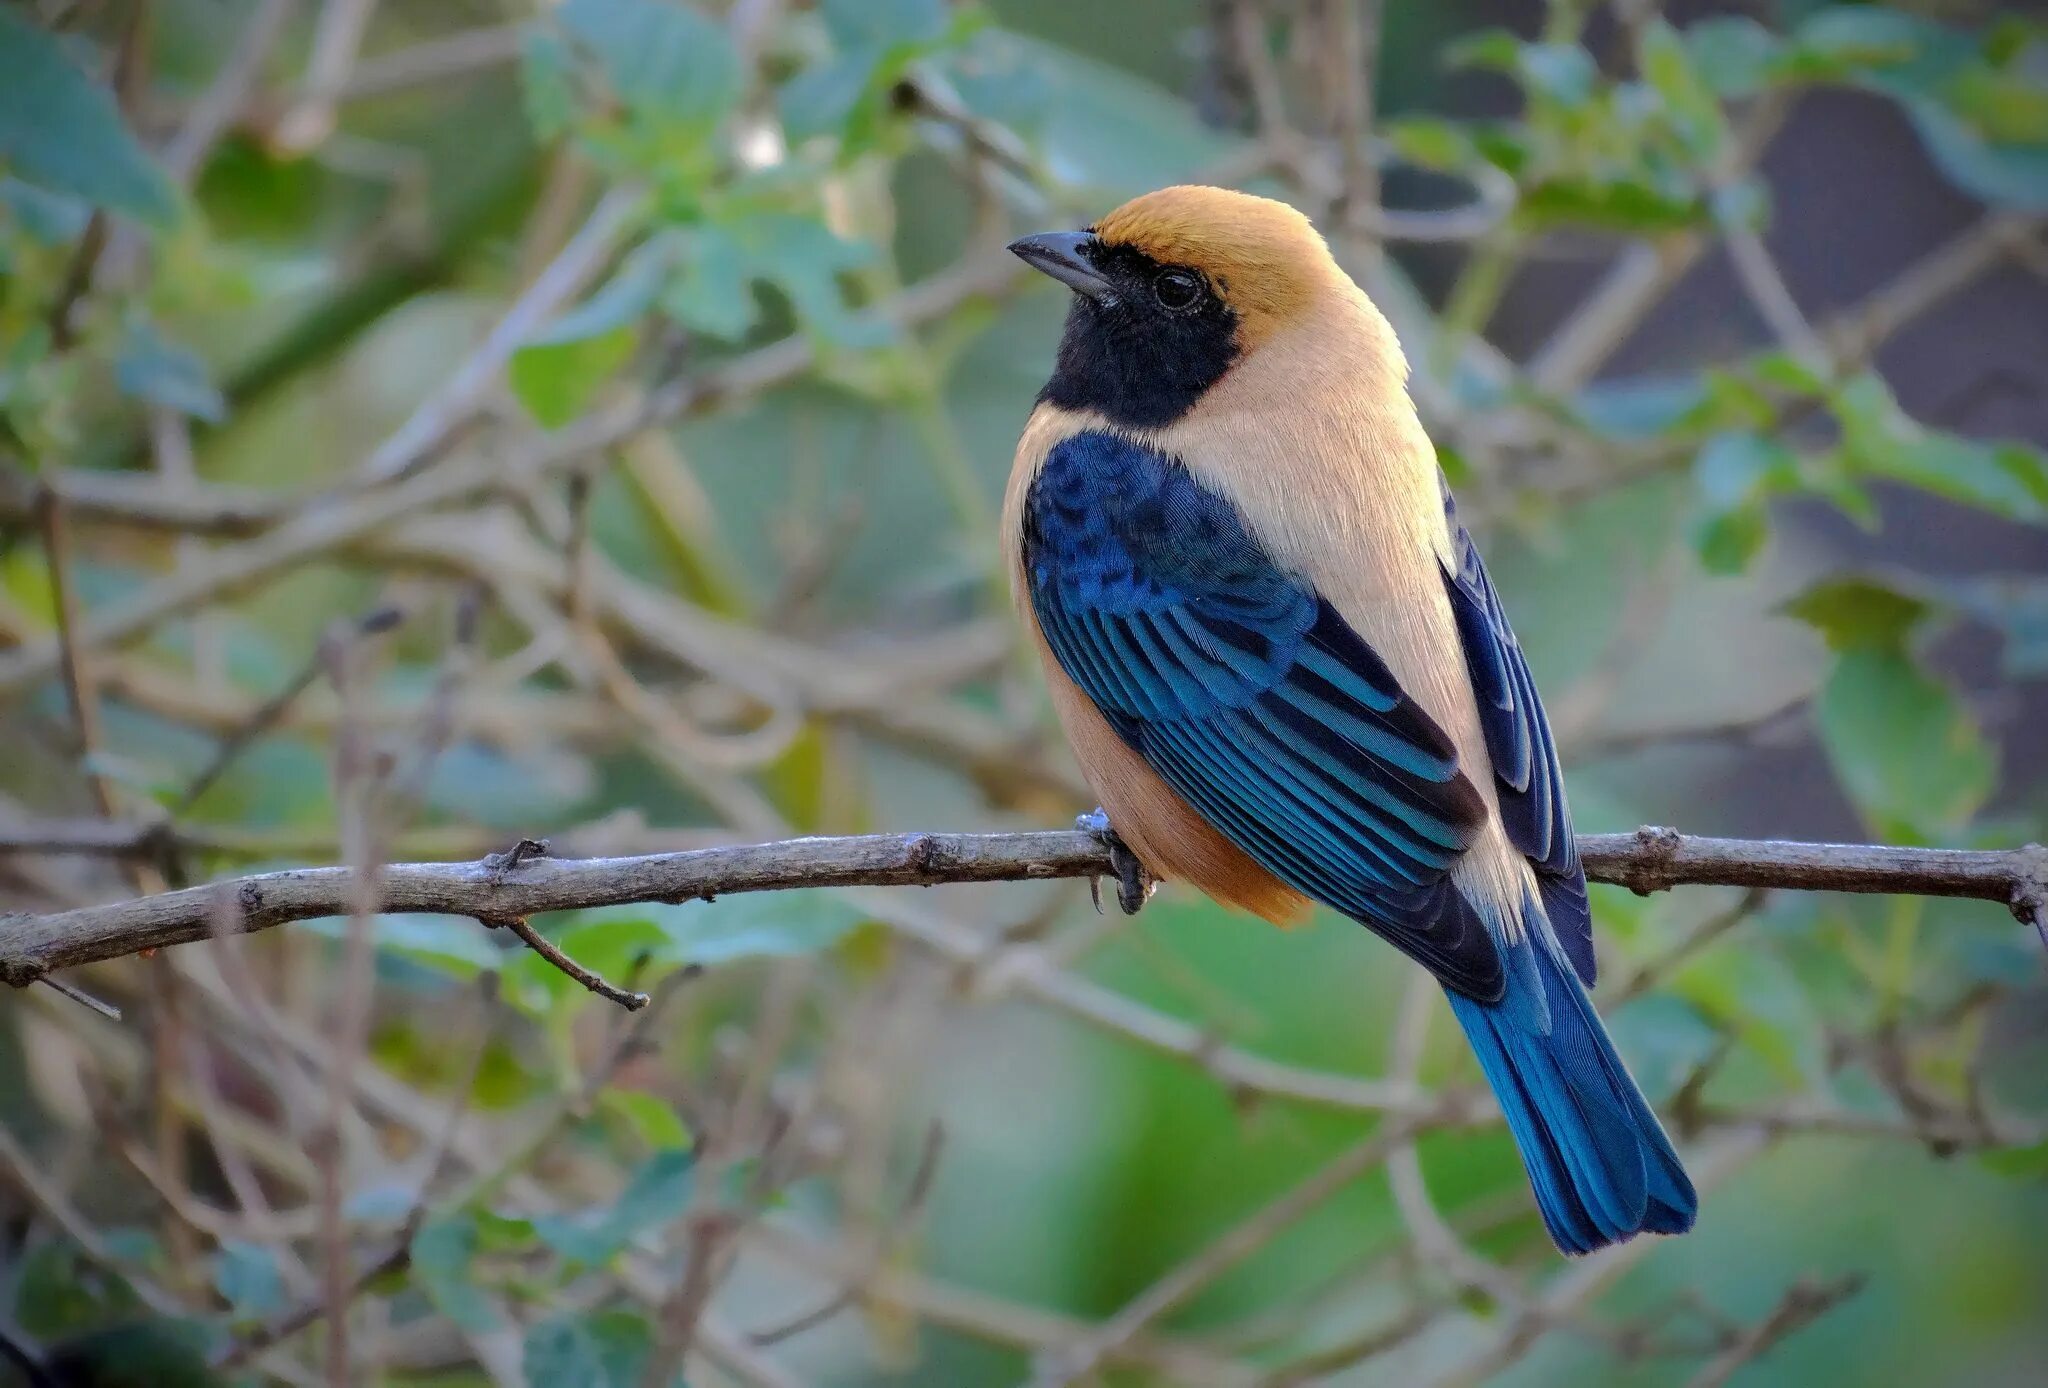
(792, 179)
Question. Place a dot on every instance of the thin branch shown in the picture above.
(440, 415)
(1805, 1303)
(1649, 860)
(213, 114)
(460, 54)
(1648, 974)
(1242, 1240)
(336, 39)
(80, 690)
(1566, 1295)
(541, 945)
(266, 715)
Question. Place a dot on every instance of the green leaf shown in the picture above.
(653, 1120)
(1688, 102)
(453, 945)
(998, 81)
(2015, 175)
(1625, 204)
(62, 130)
(1879, 438)
(1743, 205)
(2018, 609)
(1840, 39)
(55, 1294)
(798, 255)
(385, 1202)
(509, 787)
(1907, 752)
(556, 380)
(1965, 470)
(2007, 40)
(501, 1233)
(547, 74)
(1489, 48)
(1431, 143)
(247, 1277)
(443, 1252)
(2028, 1163)
(1638, 407)
(1985, 124)
(1666, 1038)
(1734, 477)
(756, 925)
(856, 24)
(1740, 465)
(1563, 72)
(51, 218)
(804, 259)
(619, 302)
(1788, 373)
(659, 1192)
(140, 1352)
(561, 1354)
(1728, 541)
(1754, 994)
(1858, 614)
(604, 1349)
(712, 294)
(666, 60)
(152, 368)
(2005, 107)
(818, 100)
(1733, 54)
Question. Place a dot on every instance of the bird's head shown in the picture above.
(1171, 291)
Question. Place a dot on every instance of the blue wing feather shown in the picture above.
(1528, 777)
(1253, 699)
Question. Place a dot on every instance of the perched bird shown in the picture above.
(1285, 671)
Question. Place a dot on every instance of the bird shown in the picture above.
(1284, 669)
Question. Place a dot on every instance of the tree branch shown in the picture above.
(493, 889)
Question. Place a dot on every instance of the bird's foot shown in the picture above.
(1134, 884)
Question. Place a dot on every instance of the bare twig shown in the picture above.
(1238, 1243)
(452, 55)
(1566, 1295)
(267, 714)
(1800, 1307)
(1652, 971)
(212, 115)
(434, 423)
(336, 39)
(80, 689)
(541, 945)
(1649, 860)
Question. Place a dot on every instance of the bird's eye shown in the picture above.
(1177, 289)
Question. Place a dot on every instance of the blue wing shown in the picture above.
(1253, 699)
(1528, 780)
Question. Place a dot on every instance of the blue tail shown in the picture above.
(1599, 1161)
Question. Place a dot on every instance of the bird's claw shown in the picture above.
(1134, 884)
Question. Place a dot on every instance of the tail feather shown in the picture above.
(1598, 1160)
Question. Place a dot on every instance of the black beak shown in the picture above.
(1059, 254)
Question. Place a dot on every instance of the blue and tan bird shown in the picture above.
(1285, 671)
